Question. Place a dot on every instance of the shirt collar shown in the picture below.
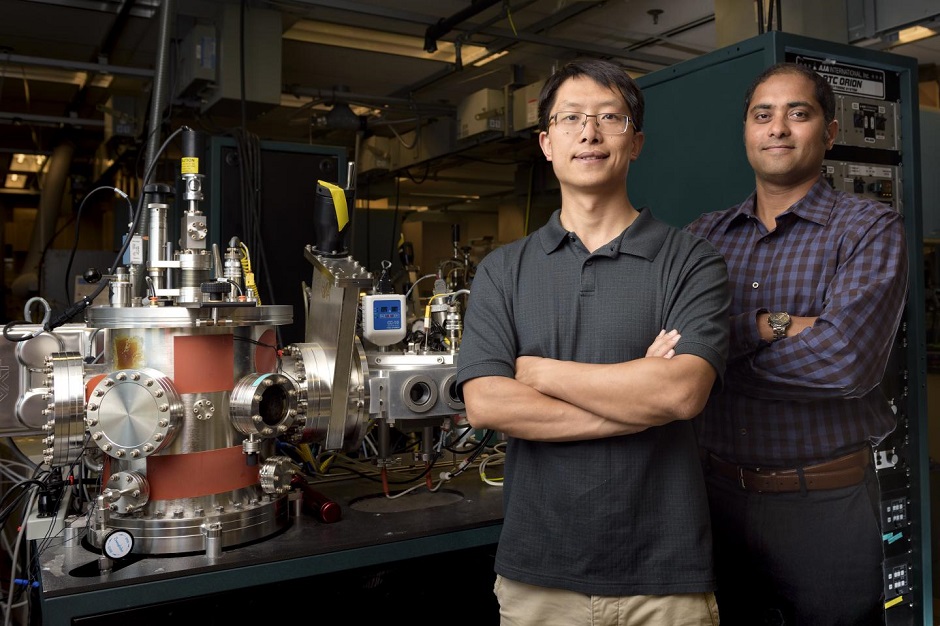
(816, 206)
(644, 237)
(553, 234)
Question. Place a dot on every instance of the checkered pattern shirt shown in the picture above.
(818, 394)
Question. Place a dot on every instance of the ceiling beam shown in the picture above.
(100, 68)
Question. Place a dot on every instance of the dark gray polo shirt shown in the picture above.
(624, 515)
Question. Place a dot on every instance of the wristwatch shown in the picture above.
(779, 323)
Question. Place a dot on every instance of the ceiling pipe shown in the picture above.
(158, 93)
(502, 33)
(666, 36)
(444, 26)
(334, 96)
(507, 39)
(155, 121)
(26, 284)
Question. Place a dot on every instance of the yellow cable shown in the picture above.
(326, 464)
(509, 17)
(304, 450)
(249, 275)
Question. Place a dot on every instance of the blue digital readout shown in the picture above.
(386, 315)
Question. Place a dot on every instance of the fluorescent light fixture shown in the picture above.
(15, 181)
(379, 41)
(52, 75)
(27, 162)
(383, 204)
(454, 196)
(914, 33)
(492, 57)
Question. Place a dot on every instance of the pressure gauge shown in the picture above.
(118, 544)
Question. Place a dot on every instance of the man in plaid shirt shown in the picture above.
(818, 280)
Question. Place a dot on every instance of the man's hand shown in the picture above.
(664, 344)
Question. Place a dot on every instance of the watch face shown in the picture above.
(779, 319)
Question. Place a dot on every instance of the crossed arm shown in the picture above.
(552, 400)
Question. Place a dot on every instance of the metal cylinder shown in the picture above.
(121, 288)
(104, 564)
(195, 269)
(158, 214)
(161, 413)
(213, 534)
(233, 266)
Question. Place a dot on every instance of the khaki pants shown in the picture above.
(527, 605)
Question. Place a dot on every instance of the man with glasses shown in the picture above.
(570, 349)
(818, 281)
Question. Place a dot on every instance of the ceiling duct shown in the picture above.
(880, 24)
(341, 117)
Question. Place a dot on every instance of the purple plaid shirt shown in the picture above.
(816, 395)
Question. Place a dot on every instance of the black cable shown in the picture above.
(18, 499)
(78, 220)
(47, 540)
(241, 63)
(427, 172)
(248, 147)
(473, 456)
(255, 342)
(140, 201)
(262, 255)
(81, 305)
(391, 253)
(9, 325)
(450, 448)
(20, 485)
(368, 230)
(487, 435)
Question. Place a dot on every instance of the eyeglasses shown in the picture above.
(607, 123)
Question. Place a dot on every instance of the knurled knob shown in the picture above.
(215, 287)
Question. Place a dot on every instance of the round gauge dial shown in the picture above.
(118, 544)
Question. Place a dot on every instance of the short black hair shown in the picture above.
(600, 71)
(823, 91)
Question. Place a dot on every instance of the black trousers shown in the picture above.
(798, 559)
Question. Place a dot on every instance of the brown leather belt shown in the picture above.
(844, 471)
